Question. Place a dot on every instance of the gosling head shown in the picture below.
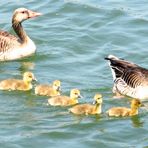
(98, 99)
(56, 85)
(136, 103)
(29, 77)
(22, 14)
(75, 94)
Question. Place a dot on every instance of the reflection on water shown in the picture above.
(136, 121)
(26, 66)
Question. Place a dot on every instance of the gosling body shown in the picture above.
(123, 111)
(49, 90)
(65, 100)
(16, 84)
(87, 109)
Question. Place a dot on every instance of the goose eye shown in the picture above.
(23, 12)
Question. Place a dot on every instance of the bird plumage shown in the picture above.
(123, 111)
(87, 109)
(49, 90)
(14, 47)
(129, 78)
(17, 84)
(65, 100)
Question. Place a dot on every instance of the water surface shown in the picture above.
(72, 38)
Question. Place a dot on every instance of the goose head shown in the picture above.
(56, 85)
(28, 77)
(22, 14)
(75, 94)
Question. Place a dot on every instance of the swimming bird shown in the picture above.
(65, 100)
(16, 84)
(129, 79)
(49, 90)
(123, 111)
(87, 109)
(16, 47)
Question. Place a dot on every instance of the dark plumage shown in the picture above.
(129, 78)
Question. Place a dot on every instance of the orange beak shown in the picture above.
(32, 14)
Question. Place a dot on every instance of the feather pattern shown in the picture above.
(15, 47)
(129, 78)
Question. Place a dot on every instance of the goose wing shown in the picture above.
(7, 41)
(135, 77)
(118, 66)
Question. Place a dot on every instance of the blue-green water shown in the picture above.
(72, 38)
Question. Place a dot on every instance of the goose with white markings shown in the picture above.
(129, 79)
(15, 47)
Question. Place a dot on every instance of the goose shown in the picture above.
(123, 111)
(16, 84)
(129, 79)
(87, 109)
(49, 90)
(65, 100)
(16, 47)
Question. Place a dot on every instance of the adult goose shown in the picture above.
(16, 47)
(129, 79)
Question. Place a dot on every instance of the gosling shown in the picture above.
(87, 109)
(65, 100)
(123, 111)
(16, 84)
(49, 90)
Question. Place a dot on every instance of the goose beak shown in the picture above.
(32, 14)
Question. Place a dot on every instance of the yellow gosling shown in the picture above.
(49, 90)
(87, 109)
(123, 111)
(16, 84)
(65, 100)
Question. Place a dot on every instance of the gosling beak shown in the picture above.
(94, 102)
(79, 96)
(32, 14)
(34, 79)
(142, 105)
(58, 88)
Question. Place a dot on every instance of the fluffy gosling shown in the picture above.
(16, 84)
(87, 109)
(65, 100)
(123, 111)
(49, 90)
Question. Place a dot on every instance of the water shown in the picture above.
(72, 38)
